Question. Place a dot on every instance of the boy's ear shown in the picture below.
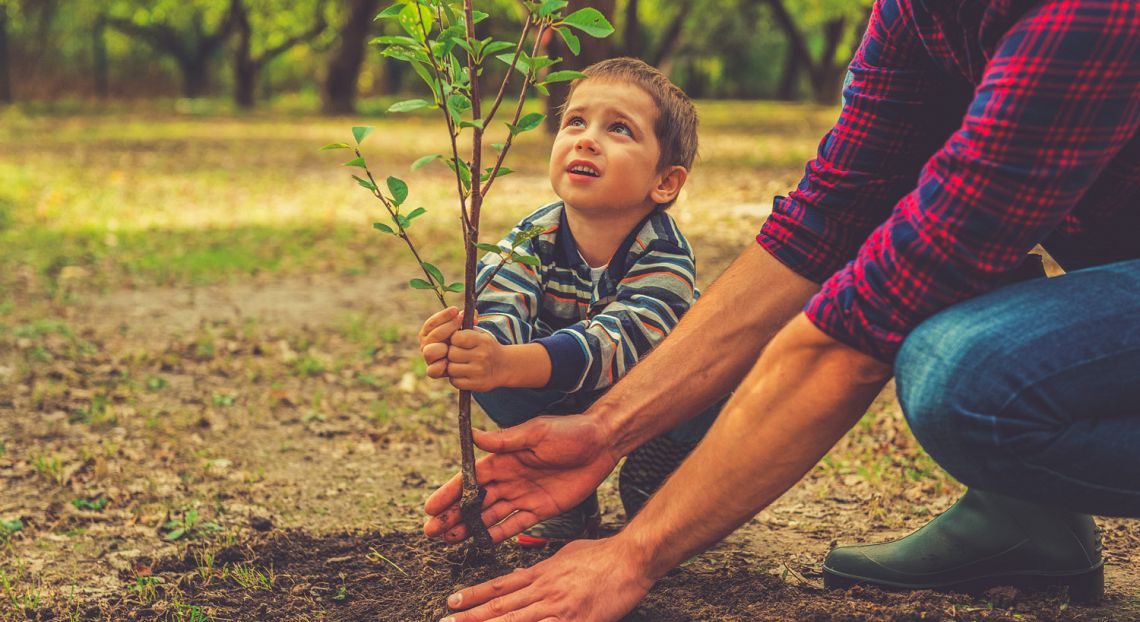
(671, 180)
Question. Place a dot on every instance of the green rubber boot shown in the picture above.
(982, 541)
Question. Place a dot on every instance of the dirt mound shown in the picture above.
(293, 575)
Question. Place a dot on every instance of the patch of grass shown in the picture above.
(50, 467)
(8, 527)
(189, 525)
(250, 578)
(94, 504)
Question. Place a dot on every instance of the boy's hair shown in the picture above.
(676, 126)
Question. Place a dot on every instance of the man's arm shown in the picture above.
(804, 393)
(703, 359)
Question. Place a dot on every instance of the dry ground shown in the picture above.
(211, 408)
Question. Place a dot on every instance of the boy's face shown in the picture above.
(604, 158)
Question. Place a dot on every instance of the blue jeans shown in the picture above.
(510, 407)
(1033, 390)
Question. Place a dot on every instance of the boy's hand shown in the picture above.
(477, 361)
(434, 335)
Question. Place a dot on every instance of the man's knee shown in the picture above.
(946, 393)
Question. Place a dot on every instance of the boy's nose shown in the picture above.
(585, 143)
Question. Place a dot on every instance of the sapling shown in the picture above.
(440, 44)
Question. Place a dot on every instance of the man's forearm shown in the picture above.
(804, 393)
(708, 353)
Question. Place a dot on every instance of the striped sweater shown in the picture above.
(594, 334)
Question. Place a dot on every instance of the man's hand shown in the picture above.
(477, 361)
(538, 470)
(434, 336)
(588, 581)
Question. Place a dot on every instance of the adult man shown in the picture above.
(971, 132)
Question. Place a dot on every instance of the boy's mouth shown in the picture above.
(579, 167)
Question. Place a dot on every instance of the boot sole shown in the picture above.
(591, 532)
(1085, 587)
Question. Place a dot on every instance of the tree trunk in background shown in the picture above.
(99, 57)
(5, 82)
(593, 50)
(193, 57)
(827, 78)
(245, 69)
(790, 74)
(344, 68)
(671, 41)
(633, 37)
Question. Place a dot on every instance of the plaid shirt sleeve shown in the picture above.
(1060, 97)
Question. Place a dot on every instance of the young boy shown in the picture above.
(614, 277)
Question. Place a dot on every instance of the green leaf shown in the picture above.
(478, 16)
(415, 19)
(389, 12)
(379, 226)
(464, 171)
(526, 235)
(496, 46)
(416, 213)
(364, 182)
(572, 42)
(357, 162)
(521, 64)
(455, 287)
(394, 40)
(457, 104)
(434, 272)
(527, 260)
(563, 76)
(176, 534)
(527, 123)
(331, 146)
(408, 105)
(502, 171)
(490, 248)
(475, 123)
(361, 132)
(550, 6)
(542, 90)
(428, 79)
(590, 21)
(497, 146)
(420, 284)
(424, 161)
(398, 189)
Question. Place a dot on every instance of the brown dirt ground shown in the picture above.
(298, 431)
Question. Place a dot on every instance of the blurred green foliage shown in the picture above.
(712, 48)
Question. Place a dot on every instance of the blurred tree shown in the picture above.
(99, 56)
(837, 21)
(339, 94)
(5, 81)
(635, 39)
(281, 26)
(189, 31)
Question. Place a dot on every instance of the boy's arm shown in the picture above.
(651, 298)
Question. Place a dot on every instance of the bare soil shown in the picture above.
(283, 426)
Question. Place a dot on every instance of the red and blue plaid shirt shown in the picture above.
(972, 130)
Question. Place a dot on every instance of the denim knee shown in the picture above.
(945, 395)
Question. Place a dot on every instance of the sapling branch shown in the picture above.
(456, 90)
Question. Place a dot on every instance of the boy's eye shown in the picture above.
(621, 128)
(575, 122)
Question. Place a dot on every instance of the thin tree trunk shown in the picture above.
(5, 81)
(827, 78)
(99, 57)
(593, 50)
(671, 41)
(344, 68)
(633, 37)
(790, 74)
(245, 68)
